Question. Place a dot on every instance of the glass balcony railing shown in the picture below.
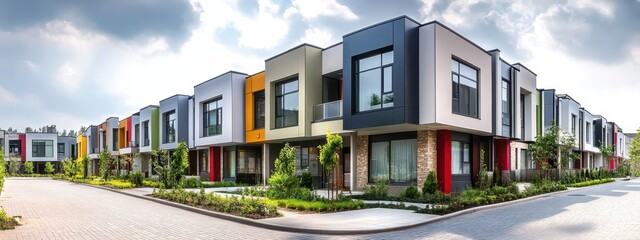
(328, 110)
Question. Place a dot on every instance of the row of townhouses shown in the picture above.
(408, 98)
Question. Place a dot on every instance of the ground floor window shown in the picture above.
(460, 157)
(229, 164)
(393, 159)
(204, 160)
(525, 160)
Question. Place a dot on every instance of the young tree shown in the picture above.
(179, 163)
(85, 166)
(105, 164)
(28, 167)
(283, 179)
(329, 156)
(634, 155)
(2, 167)
(159, 160)
(48, 168)
(554, 144)
(14, 165)
(70, 168)
(606, 151)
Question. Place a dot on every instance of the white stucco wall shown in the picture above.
(438, 45)
(146, 115)
(332, 59)
(527, 82)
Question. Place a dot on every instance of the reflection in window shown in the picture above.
(464, 89)
(374, 76)
(460, 163)
(212, 114)
(287, 104)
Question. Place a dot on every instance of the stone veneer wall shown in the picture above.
(427, 154)
(362, 163)
(515, 152)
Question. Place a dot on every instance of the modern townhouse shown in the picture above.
(587, 141)
(618, 145)
(603, 139)
(40, 148)
(569, 119)
(219, 132)
(108, 136)
(92, 148)
(293, 88)
(174, 122)
(128, 143)
(255, 117)
(67, 148)
(2, 133)
(149, 136)
(81, 145)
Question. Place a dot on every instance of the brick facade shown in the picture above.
(515, 152)
(362, 143)
(427, 154)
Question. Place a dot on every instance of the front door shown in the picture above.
(460, 162)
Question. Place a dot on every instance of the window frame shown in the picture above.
(217, 127)
(282, 97)
(36, 147)
(257, 106)
(145, 134)
(389, 138)
(58, 149)
(462, 145)
(458, 99)
(169, 126)
(382, 67)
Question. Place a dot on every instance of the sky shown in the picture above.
(76, 63)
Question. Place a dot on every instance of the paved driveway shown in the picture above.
(61, 210)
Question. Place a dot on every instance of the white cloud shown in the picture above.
(31, 66)
(68, 77)
(317, 36)
(310, 9)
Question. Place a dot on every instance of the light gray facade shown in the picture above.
(147, 132)
(50, 152)
(227, 90)
(66, 147)
(178, 105)
(93, 149)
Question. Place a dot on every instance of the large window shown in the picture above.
(60, 149)
(212, 113)
(573, 124)
(460, 157)
(465, 89)
(287, 104)
(14, 147)
(114, 139)
(229, 164)
(588, 132)
(42, 148)
(136, 136)
(374, 76)
(506, 108)
(525, 160)
(145, 133)
(522, 118)
(170, 127)
(259, 110)
(394, 160)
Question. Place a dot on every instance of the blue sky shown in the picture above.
(75, 63)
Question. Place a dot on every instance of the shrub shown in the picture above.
(592, 182)
(430, 185)
(119, 184)
(284, 177)
(240, 206)
(320, 206)
(48, 168)
(411, 192)
(136, 178)
(152, 184)
(7, 222)
(306, 181)
(28, 167)
(220, 184)
(14, 165)
(179, 164)
(379, 190)
(191, 183)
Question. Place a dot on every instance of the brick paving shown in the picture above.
(60, 210)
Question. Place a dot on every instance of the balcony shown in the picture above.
(327, 111)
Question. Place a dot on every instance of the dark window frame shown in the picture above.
(390, 138)
(383, 68)
(215, 129)
(41, 145)
(259, 109)
(169, 135)
(457, 100)
(281, 97)
(145, 133)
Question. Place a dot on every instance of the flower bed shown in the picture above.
(320, 205)
(240, 206)
(592, 182)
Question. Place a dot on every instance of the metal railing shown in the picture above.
(327, 110)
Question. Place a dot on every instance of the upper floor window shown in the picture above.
(145, 133)
(573, 124)
(588, 132)
(259, 110)
(136, 137)
(212, 113)
(506, 108)
(114, 140)
(374, 78)
(287, 104)
(170, 127)
(42, 148)
(60, 149)
(465, 89)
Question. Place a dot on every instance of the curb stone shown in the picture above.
(257, 223)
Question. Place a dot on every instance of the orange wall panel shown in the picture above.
(255, 136)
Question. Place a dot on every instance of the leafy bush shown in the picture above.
(152, 184)
(430, 185)
(48, 168)
(284, 177)
(380, 188)
(240, 206)
(191, 183)
(411, 192)
(7, 222)
(14, 165)
(136, 178)
(28, 167)
(306, 181)
(220, 184)
(119, 184)
(179, 164)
